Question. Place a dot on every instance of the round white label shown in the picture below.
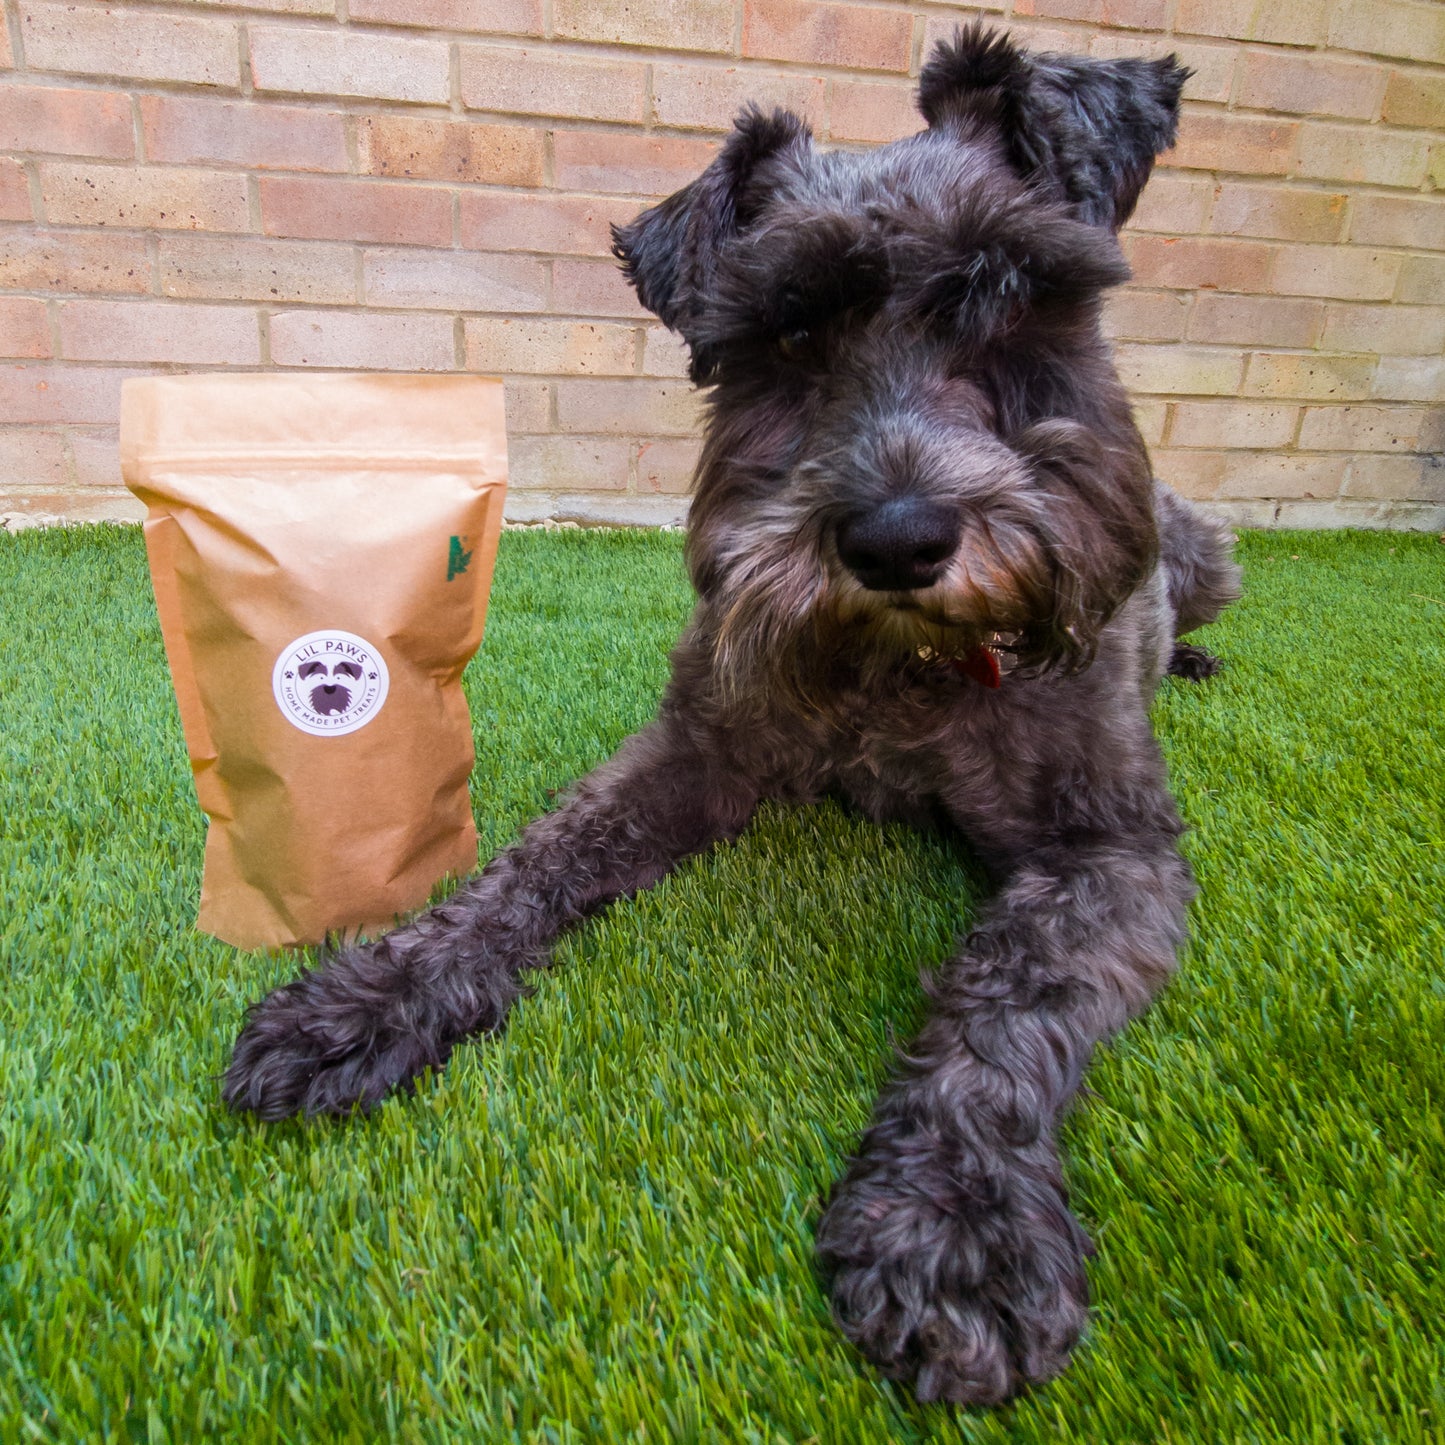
(330, 682)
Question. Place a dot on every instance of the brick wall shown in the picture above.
(427, 184)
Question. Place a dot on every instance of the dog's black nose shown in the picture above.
(900, 546)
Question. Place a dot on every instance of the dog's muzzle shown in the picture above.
(900, 546)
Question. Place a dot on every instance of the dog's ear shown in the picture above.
(670, 252)
(1086, 130)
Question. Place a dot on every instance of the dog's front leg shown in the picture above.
(376, 1015)
(951, 1252)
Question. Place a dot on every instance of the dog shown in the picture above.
(936, 577)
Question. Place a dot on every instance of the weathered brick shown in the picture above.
(1422, 280)
(859, 37)
(1350, 273)
(1408, 221)
(24, 330)
(37, 260)
(353, 339)
(7, 55)
(46, 392)
(323, 62)
(548, 345)
(1362, 153)
(664, 353)
(1414, 31)
(453, 281)
(1134, 315)
(1174, 204)
(1232, 424)
(547, 223)
(405, 145)
(1265, 474)
(125, 41)
(96, 454)
(1410, 378)
(539, 82)
(489, 17)
(71, 506)
(667, 24)
(1150, 417)
(529, 405)
(1284, 213)
(1179, 370)
(1314, 377)
(1412, 479)
(1195, 474)
(236, 269)
(666, 466)
(1210, 141)
(33, 457)
(66, 122)
(168, 198)
(1360, 428)
(1390, 330)
(267, 136)
(568, 464)
(1256, 320)
(637, 406)
(350, 210)
(628, 164)
(709, 97)
(159, 331)
(14, 192)
(1193, 262)
(872, 111)
(1309, 85)
(592, 288)
(1414, 98)
(1300, 22)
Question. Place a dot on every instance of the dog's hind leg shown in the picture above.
(951, 1253)
(1196, 552)
(376, 1015)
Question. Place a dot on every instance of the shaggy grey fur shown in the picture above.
(919, 466)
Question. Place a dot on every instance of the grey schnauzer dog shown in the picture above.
(935, 577)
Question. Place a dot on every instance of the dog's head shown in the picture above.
(916, 434)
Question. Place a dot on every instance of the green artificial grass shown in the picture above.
(598, 1227)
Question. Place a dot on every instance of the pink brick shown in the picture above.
(137, 44)
(529, 405)
(1362, 153)
(1350, 273)
(351, 339)
(405, 145)
(592, 288)
(1172, 203)
(547, 223)
(96, 452)
(24, 330)
(872, 111)
(668, 24)
(30, 457)
(493, 17)
(861, 37)
(7, 56)
(454, 281)
(1307, 84)
(1256, 320)
(45, 392)
(631, 164)
(1145, 315)
(1399, 221)
(709, 97)
(337, 210)
(666, 466)
(159, 196)
(1299, 22)
(38, 260)
(1389, 329)
(14, 192)
(264, 137)
(568, 464)
(236, 269)
(65, 122)
(1414, 31)
(1285, 213)
(1232, 424)
(1210, 141)
(1262, 474)
(1188, 262)
(540, 82)
(656, 408)
(159, 331)
(1360, 428)
(546, 344)
(324, 62)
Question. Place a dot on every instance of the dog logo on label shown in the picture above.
(330, 682)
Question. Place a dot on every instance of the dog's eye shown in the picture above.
(794, 344)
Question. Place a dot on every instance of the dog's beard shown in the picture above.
(330, 698)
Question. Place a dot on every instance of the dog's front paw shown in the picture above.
(971, 1288)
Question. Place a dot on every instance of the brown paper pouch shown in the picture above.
(321, 548)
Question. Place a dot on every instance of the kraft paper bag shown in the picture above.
(321, 548)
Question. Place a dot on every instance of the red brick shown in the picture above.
(159, 331)
(1209, 141)
(858, 37)
(540, 82)
(1350, 273)
(652, 408)
(568, 464)
(337, 210)
(1256, 320)
(1179, 370)
(30, 457)
(1360, 428)
(1415, 98)
(324, 62)
(498, 155)
(1134, 315)
(1189, 262)
(1414, 31)
(1422, 279)
(267, 137)
(629, 164)
(1315, 377)
(666, 466)
(1173, 204)
(545, 344)
(709, 97)
(547, 223)
(36, 260)
(96, 453)
(1414, 479)
(235, 269)
(14, 192)
(454, 281)
(1298, 22)
(351, 339)
(1409, 221)
(490, 17)
(1391, 329)
(126, 41)
(872, 111)
(174, 199)
(1309, 85)
(1410, 378)
(66, 122)
(592, 288)
(1232, 424)
(1283, 213)
(49, 393)
(24, 330)
(1362, 153)
(666, 24)
(1262, 474)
